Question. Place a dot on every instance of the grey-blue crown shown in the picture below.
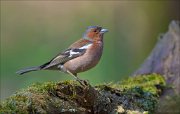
(90, 27)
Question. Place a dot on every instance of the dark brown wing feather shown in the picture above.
(65, 55)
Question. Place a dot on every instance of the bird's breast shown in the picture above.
(85, 62)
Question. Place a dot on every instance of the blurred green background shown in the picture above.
(32, 32)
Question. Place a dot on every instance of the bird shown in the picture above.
(81, 56)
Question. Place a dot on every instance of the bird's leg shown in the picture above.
(76, 77)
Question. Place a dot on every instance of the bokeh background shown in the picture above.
(32, 32)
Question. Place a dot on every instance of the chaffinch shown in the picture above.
(80, 56)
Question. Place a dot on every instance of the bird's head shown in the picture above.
(94, 32)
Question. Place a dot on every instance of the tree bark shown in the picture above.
(165, 57)
(135, 95)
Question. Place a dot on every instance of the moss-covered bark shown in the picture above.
(165, 58)
(138, 95)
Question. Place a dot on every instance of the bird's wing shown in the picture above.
(69, 54)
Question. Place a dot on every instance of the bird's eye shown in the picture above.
(95, 30)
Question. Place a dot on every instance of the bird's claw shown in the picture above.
(83, 82)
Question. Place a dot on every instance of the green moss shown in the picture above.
(10, 106)
(41, 97)
(152, 83)
(23, 100)
(41, 88)
(142, 91)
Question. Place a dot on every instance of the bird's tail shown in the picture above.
(26, 70)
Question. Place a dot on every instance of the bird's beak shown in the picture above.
(104, 30)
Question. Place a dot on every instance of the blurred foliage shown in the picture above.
(32, 32)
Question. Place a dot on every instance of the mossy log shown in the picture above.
(135, 95)
(138, 95)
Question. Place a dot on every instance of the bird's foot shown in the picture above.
(83, 82)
